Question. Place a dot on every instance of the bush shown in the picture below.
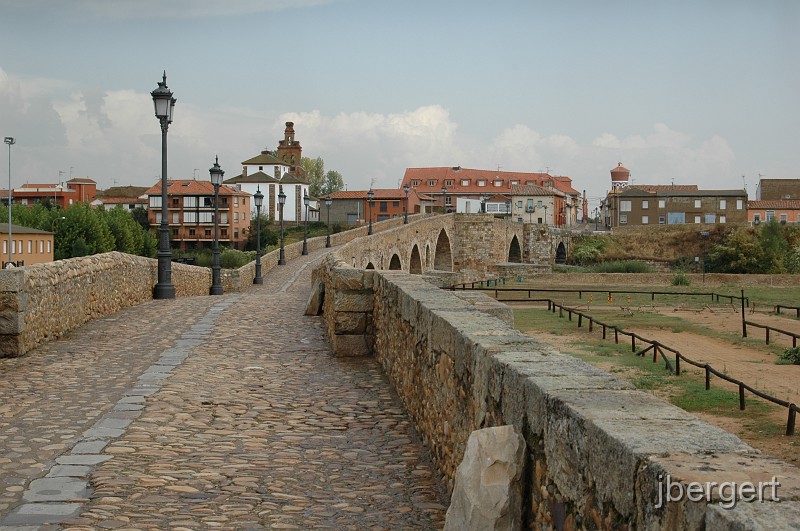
(233, 259)
(790, 356)
(680, 279)
(624, 266)
(587, 250)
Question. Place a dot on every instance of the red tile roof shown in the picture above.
(663, 187)
(532, 189)
(121, 200)
(380, 193)
(784, 204)
(458, 174)
(192, 187)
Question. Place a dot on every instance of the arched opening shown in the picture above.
(370, 266)
(514, 251)
(561, 253)
(415, 265)
(394, 263)
(428, 255)
(443, 259)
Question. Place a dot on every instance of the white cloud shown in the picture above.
(114, 138)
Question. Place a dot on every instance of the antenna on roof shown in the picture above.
(498, 167)
(194, 174)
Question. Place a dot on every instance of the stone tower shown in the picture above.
(289, 150)
(619, 177)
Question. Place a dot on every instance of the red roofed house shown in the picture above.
(77, 190)
(782, 211)
(191, 214)
(495, 186)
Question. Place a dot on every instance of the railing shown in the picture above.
(767, 328)
(659, 348)
(779, 307)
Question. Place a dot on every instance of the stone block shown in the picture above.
(352, 301)
(11, 345)
(348, 279)
(350, 345)
(350, 323)
(315, 299)
(12, 322)
(754, 516)
(12, 280)
(488, 492)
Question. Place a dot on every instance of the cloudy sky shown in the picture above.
(700, 91)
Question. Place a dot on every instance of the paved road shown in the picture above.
(209, 412)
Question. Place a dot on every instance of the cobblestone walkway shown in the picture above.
(209, 412)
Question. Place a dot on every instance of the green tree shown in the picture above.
(140, 215)
(128, 234)
(268, 236)
(315, 173)
(333, 183)
(774, 246)
(739, 252)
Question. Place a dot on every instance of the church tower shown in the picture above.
(619, 178)
(289, 150)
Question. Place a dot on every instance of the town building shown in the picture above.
(778, 189)
(531, 203)
(351, 207)
(447, 184)
(128, 197)
(190, 206)
(269, 171)
(28, 246)
(76, 190)
(782, 210)
(644, 204)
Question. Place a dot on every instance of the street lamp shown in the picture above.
(258, 197)
(165, 107)
(216, 179)
(281, 202)
(10, 141)
(508, 209)
(371, 198)
(406, 189)
(444, 200)
(328, 202)
(305, 225)
(545, 214)
(483, 203)
(596, 218)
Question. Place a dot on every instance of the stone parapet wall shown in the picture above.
(598, 449)
(665, 279)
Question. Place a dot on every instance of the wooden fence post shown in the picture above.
(708, 377)
(790, 422)
(677, 364)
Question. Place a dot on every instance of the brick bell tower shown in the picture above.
(289, 150)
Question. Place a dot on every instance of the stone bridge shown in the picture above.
(598, 451)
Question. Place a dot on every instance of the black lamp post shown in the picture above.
(371, 198)
(216, 179)
(483, 203)
(305, 225)
(10, 141)
(545, 214)
(281, 202)
(165, 109)
(406, 189)
(328, 202)
(258, 197)
(444, 200)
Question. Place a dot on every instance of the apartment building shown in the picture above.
(190, 207)
(28, 246)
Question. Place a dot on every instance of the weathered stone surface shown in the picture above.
(488, 493)
(350, 323)
(353, 301)
(754, 516)
(350, 345)
(314, 304)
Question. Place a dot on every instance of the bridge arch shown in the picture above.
(443, 255)
(394, 264)
(428, 255)
(561, 253)
(370, 266)
(515, 251)
(415, 264)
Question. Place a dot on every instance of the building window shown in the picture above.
(481, 182)
(756, 218)
(661, 220)
(645, 220)
(190, 217)
(192, 232)
(448, 200)
(176, 201)
(723, 219)
(662, 203)
(739, 204)
(448, 182)
(783, 219)
(519, 203)
(41, 246)
(539, 204)
(645, 204)
(431, 182)
(723, 204)
(235, 201)
(176, 217)
(223, 233)
(395, 204)
(698, 219)
(623, 219)
(30, 245)
(415, 182)
(235, 216)
(498, 183)
(711, 218)
(48, 246)
(676, 218)
(208, 233)
(158, 217)
(175, 233)
(530, 205)
(624, 206)
(190, 201)
(383, 206)
(514, 182)
(223, 218)
(697, 203)
(155, 201)
(770, 215)
(464, 182)
(205, 217)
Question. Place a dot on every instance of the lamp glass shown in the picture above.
(282, 198)
(328, 201)
(216, 173)
(305, 199)
(258, 198)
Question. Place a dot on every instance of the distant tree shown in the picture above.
(268, 237)
(321, 182)
(774, 246)
(739, 252)
(140, 215)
